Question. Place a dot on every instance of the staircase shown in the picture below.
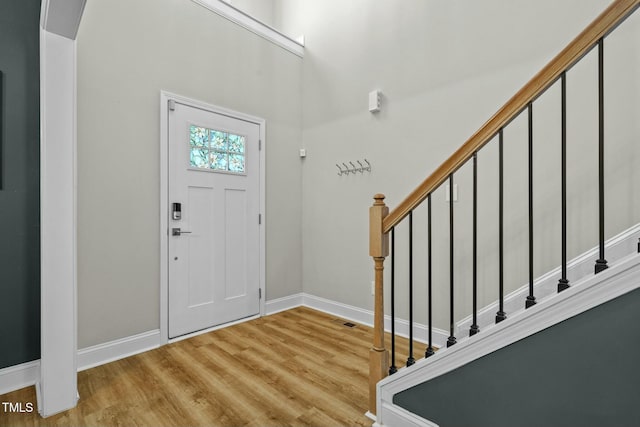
(546, 299)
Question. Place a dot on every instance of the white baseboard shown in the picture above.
(281, 304)
(19, 376)
(111, 351)
(348, 312)
(27, 374)
(38, 397)
(355, 314)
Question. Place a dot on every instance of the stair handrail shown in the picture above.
(580, 46)
(381, 221)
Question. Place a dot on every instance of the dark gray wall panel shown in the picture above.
(19, 182)
(581, 372)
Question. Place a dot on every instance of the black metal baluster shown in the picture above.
(563, 283)
(601, 263)
(531, 300)
(393, 369)
(410, 359)
(429, 351)
(452, 339)
(501, 315)
(474, 327)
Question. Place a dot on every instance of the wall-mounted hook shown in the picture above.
(344, 169)
(355, 169)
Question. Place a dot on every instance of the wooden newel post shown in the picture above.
(379, 250)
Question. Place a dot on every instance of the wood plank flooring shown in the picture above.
(298, 367)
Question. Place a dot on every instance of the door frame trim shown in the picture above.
(165, 97)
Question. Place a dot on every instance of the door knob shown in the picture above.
(178, 232)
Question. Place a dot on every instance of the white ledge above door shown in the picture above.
(62, 17)
(252, 24)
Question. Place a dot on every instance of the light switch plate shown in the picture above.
(374, 101)
(455, 193)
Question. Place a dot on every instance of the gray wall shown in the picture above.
(127, 52)
(19, 182)
(262, 10)
(581, 372)
(444, 68)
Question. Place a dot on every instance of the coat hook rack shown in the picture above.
(346, 169)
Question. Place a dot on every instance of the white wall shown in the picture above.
(444, 68)
(127, 52)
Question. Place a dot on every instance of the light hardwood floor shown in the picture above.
(298, 367)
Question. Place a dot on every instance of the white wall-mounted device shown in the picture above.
(374, 101)
(455, 193)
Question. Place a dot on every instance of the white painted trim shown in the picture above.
(355, 314)
(420, 331)
(58, 385)
(399, 417)
(252, 24)
(282, 304)
(27, 374)
(62, 17)
(263, 212)
(617, 247)
(19, 376)
(348, 312)
(39, 395)
(365, 317)
(620, 278)
(164, 220)
(164, 200)
(100, 354)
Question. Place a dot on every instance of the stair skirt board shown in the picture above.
(399, 417)
(355, 314)
(620, 278)
(581, 266)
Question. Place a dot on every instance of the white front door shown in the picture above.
(214, 202)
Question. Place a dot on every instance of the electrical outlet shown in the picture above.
(373, 287)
